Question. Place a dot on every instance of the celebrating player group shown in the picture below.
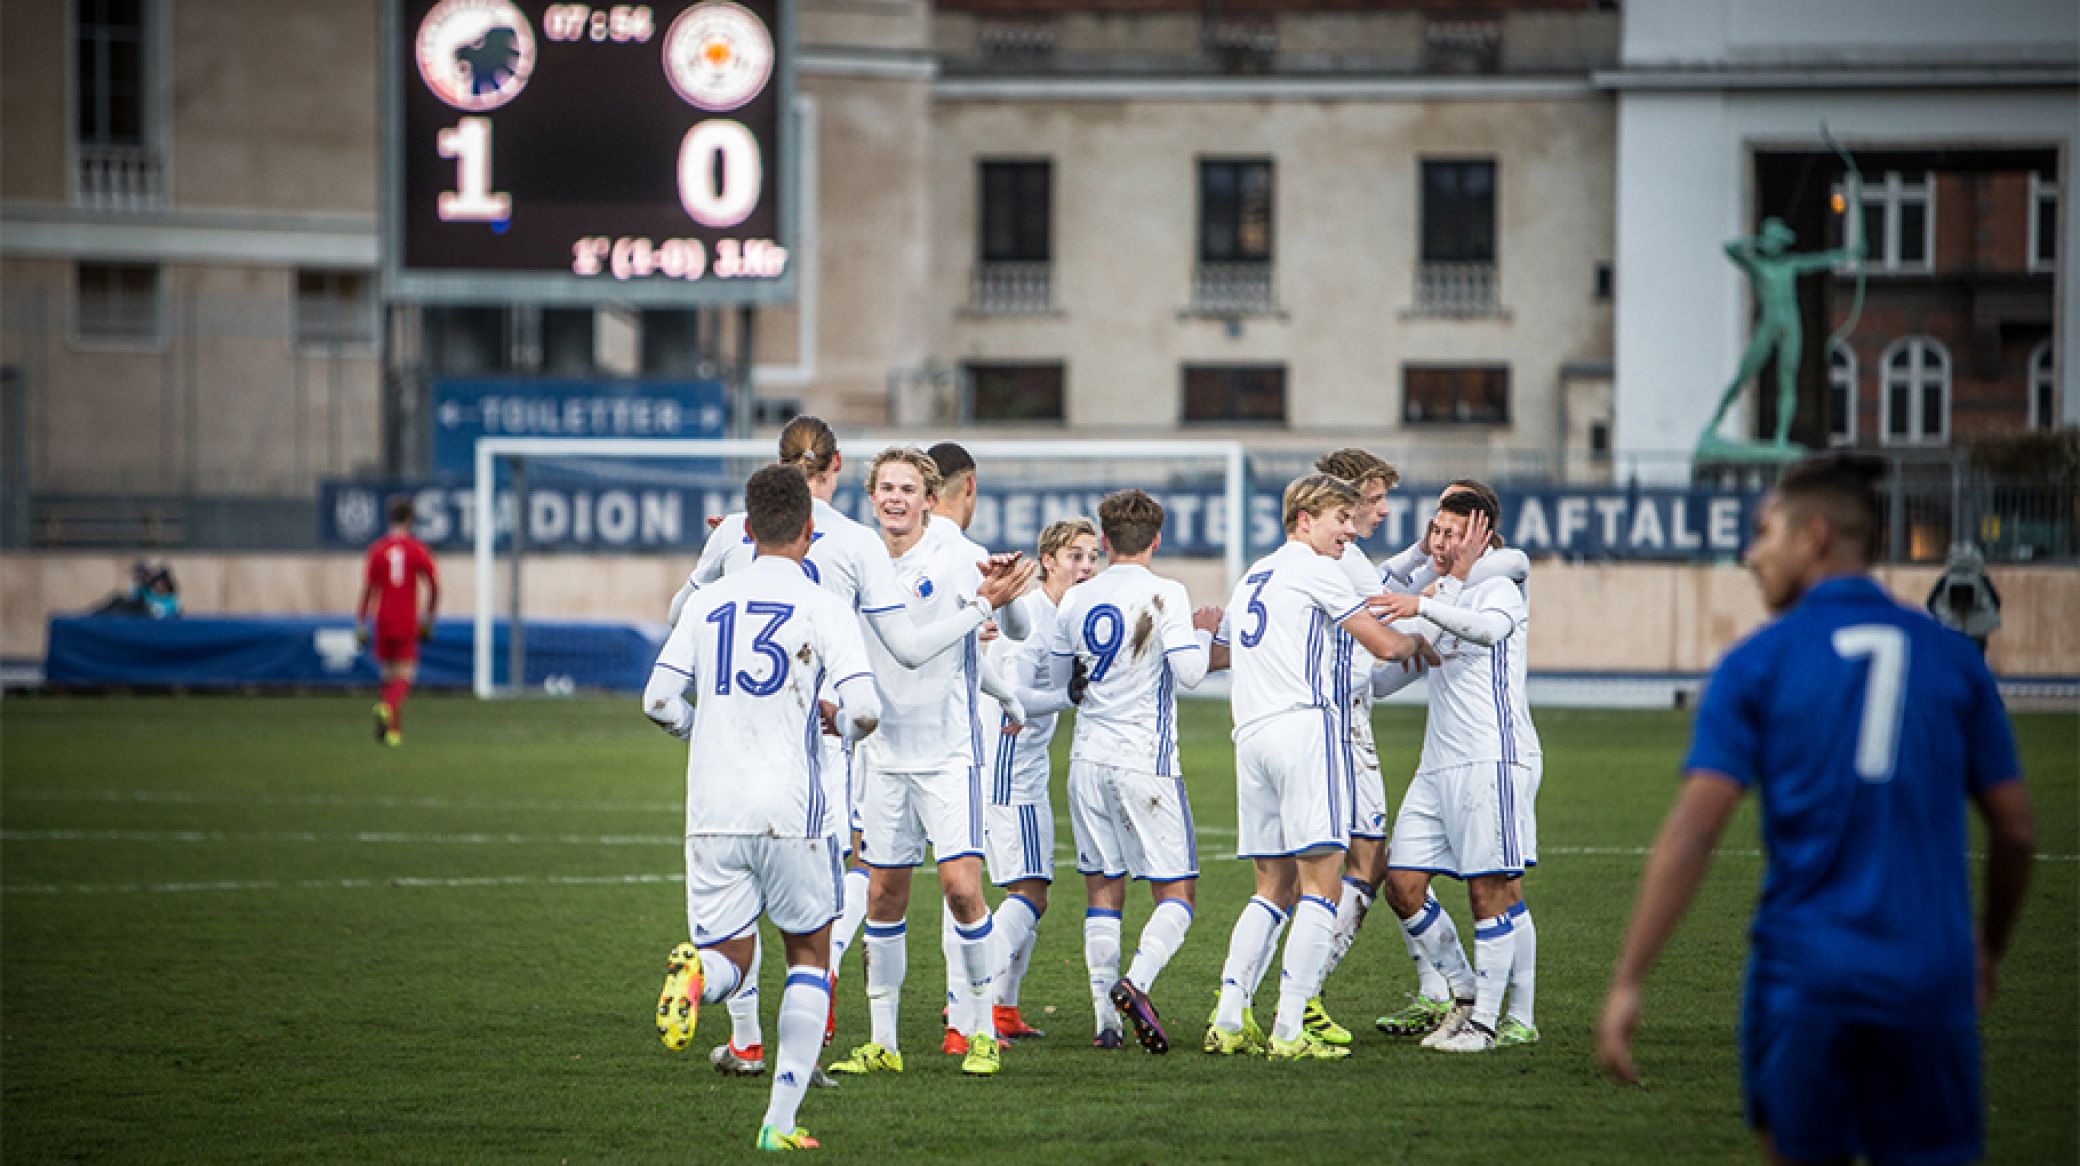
(863, 698)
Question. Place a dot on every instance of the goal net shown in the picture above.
(579, 544)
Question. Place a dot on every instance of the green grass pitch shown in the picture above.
(235, 929)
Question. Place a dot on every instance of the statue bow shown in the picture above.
(1855, 207)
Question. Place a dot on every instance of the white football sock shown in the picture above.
(1101, 961)
(1160, 938)
(978, 956)
(1018, 920)
(744, 1030)
(1523, 968)
(719, 977)
(1268, 957)
(1253, 930)
(803, 1004)
(956, 981)
(851, 914)
(1307, 950)
(1351, 907)
(1494, 946)
(888, 958)
(1435, 939)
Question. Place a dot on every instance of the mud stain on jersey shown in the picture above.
(1143, 629)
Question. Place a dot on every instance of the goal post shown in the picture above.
(1021, 466)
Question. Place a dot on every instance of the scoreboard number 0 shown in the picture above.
(721, 174)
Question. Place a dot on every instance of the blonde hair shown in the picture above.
(808, 445)
(913, 457)
(1358, 466)
(1060, 534)
(1315, 494)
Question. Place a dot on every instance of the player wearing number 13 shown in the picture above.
(761, 649)
(1864, 726)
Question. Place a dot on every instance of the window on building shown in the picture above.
(1896, 213)
(1457, 272)
(1230, 393)
(1917, 392)
(1014, 392)
(1235, 211)
(1015, 225)
(118, 302)
(2043, 223)
(1841, 394)
(335, 309)
(2043, 388)
(1455, 394)
(109, 70)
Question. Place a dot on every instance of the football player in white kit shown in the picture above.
(850, 561)
(1469, 811)
(1132, 631)
(1018, 824)
(762, 650)
(923, 770)
(1414, 572)
(1291, 790)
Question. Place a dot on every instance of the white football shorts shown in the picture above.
(1291, 793)
(1128, 822)
(1361, 762)
(903, 812)
(733, 878)
(1018, 842)
(1469, 820)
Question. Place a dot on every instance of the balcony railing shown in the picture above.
(1017, 36)
(1012, 289)
(126, 179)
(1456, 289)
(1233, 289)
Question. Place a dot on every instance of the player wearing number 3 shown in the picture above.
(762, 649)
(390, 583)
(1864, 726)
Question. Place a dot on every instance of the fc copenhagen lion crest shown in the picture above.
(476, 55)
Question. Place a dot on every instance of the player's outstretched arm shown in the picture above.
(678, 604)
(1017, 572)
(1391, 676)
(2011, 845)
(1675, 867)
(664, 697)
(994, 685)
(859, 707)
(1377, 638)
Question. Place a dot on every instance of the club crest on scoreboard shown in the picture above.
(476, 55)
(718, 56)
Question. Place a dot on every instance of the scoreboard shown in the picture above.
(589, 153)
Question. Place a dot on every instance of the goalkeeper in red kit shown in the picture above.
(390, 585)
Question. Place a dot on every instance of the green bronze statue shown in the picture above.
(1773, 271)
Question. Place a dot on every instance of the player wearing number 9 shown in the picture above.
(1865, 726)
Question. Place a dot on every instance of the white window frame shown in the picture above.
(1837, 374)
(2039, 191)
(1889, 195)
(2043, 385)
(112, 342)
(154, 152)
(310, 341)
(1933, 358)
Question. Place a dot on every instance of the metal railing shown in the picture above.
(1004, 288)
(1233, 289)
(1456, 289)
(125, 179)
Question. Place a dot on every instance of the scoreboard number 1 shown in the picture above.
(469, 143)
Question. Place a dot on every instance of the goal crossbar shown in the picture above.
(490, 450)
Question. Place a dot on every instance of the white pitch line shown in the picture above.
(358, 836)
(338, 884)
(335, 801)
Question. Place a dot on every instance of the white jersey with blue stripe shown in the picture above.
(1019, 766)
(1129, 626)
(847, 559)
(1478, 707)
(758, 650)
(929, 713)
(1281, 631)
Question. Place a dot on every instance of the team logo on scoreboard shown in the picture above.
(718, 55)
(476, 55)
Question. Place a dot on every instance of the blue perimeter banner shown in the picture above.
(591, 513)
(466, 409)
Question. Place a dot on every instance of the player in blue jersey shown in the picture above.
(1865, 727)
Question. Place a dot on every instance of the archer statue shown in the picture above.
(1773, 271)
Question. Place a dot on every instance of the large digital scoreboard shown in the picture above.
(589, 153)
